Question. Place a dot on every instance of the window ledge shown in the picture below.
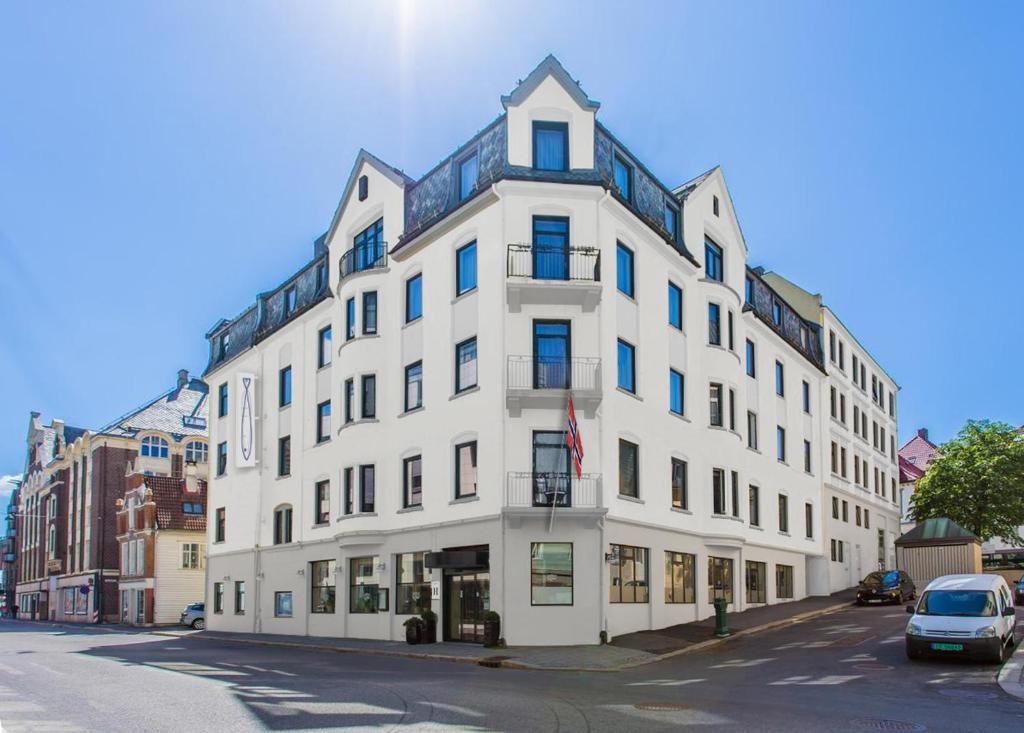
(464, 499)
(325, 441)
(627, 296)
(357, 337)
(361, 421)
(626, 392)
(785, 534)
(320, 525)
(282, 408)
(357, 515)
(406, 510)
(472, 291)
(633, 499)
(679, 416)
(730, 352)
(727, 516)
(681, 510)
(413, 411)
(280, 476)
(324, 366)
(753, 450)
(758, 527)
(413, 322)
(721, 284)
(463, 393)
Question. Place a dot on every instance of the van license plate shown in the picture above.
(948, 647)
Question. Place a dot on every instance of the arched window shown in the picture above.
(153, 446)
(196, 451)
(52, 545)
(282, 525)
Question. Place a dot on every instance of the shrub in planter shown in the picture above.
(413, 630)
(492, 628)
(429, 626)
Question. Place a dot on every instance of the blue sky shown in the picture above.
(161, 163)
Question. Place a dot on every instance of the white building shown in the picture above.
(389, 424)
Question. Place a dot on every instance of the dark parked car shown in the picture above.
(886, 586)
(1018, 592)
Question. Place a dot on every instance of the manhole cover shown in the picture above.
(883, 724)
(661, 706)
(868, 667)
(968, 694)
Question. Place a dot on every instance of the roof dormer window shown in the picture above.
(672, 221)
(551, 146)
(290, 299)
(623, 173)
(469, 172)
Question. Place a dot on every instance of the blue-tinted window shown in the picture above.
(780, 440)
(323, 421)
(751, 360)
(550, 248)
(465, 365)
(713, 260)
(285, 387)
(675, 306)
(465, 269)
(350, 319)
(672, 221)
(324, 355)
(290, 300)
(714, 324)
(551, 355)
(222, 468)
(222, 400)
(623, 173)
(368, 246)
(413, 298)
(469, 170)
(551, 146)
(627, 366)
(780, 382)
(624, 268)
(414, 386)
(776, 313)
(749, 290)
(675, 384)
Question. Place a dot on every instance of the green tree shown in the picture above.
(978, 482)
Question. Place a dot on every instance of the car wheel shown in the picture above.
(911, 654)
(1000, 656)
(199, 624)
(900, 599)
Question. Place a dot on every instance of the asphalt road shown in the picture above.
(842, 672)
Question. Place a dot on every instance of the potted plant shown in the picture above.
(492, 628)
(413, 630)
(429, 626)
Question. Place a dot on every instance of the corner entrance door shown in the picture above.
(467, 598)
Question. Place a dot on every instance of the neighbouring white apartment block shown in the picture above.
(389, 424)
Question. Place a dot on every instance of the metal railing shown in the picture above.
(546, 372)
(543, 262)
(363, 257)
(529, 489)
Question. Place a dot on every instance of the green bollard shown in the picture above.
(721, 630)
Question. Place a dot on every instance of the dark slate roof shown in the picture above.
(169, 494)
(937, 531)
(761, 306)
(683, 191)
(181, 412)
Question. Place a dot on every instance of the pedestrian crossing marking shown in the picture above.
(831, 679)
(736, 663)
(859, 658)
(666, 683)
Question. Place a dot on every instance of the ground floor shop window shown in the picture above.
(719, 579)
(218, 598)
(140, 606)
(321, 578)
(680, 577)
(628, 569)
(783, 581)
(757, 590)
(551, 574)
(81, 602)
(69, 602)
(283, 604)
(412, 589)
(365, 593)
(124, 605)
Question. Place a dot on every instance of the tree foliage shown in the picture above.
(978, 482)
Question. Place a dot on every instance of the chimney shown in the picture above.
(182, 378)
(922, 433)
(191, 479)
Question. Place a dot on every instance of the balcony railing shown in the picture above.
(528, 489)
(363, 257)
(540, 262)
(545, 372)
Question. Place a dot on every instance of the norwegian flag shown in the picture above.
(574, 442)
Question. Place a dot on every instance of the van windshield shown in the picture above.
(957, 603)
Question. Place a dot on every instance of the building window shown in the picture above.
(218, 598)
(321, 276)
(628, 574)
(414, 386)
(196, 452)
(783, 581)
(714, 324)
(715, 404)
(719, 579)
(367, 476)
(780, 379)
(777, 313)
(413, 298)
(809, 520)
(222, 458)
(807, 456)
(465, 469)
(218, 534)
(757, 591)
(783, 513)
(846, 511)
(192, 507)
(624, 268)
(350, 396)
(627, 366)
(551, 248)
(806, 396)
(284, 455)
(714, 205)
(368, 403)
(290, 301)
(754, 505)
(718, 490)
(752, 430)
(284, 387)
(672, 221)
(321, 586)
(350, 319)
(623, 174)
(751, 360)
(675, 306)
(283, 604)
(323, 422)
(732, 409)
(154, 446)
(347, 489)
(412, 588)
(369, 312)
(364, 586)
(675, 385)
(680, 489)
(551, 146)
(680, 577)
(867, 518)
(780, 442)
(412, 482)
(465, 365)
(282, 525)
(551, 574)
(469, 171)
(856, 514)
(368, 247)
(239, 596)
(629, 466)
(748, 290)
(223, 342)
(730, 331)
(465, 269)
(191, 556)
(322, 501)
(364, 188)
(713, 261)
(323, 357)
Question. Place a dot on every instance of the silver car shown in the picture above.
(194, 615)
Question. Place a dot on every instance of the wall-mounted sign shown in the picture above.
(435, 590)
(245, 420)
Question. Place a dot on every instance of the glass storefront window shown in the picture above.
(551, 574)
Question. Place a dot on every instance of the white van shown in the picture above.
(963, 615)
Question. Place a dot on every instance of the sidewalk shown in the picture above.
(1011, 676)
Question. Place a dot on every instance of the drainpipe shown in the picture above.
(602, 587)
(503, 434)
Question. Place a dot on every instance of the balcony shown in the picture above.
(544, 275)
(362, 258)
(538, 382)
(552, 497)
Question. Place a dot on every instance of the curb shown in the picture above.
(1011, 676)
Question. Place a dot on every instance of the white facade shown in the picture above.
(505, 312)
